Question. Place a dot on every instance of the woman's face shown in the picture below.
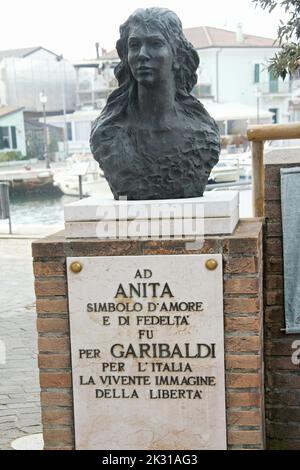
(150, 57)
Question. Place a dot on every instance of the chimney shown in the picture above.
(97, 50)
(239, 33)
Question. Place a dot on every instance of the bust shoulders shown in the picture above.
(147, 162)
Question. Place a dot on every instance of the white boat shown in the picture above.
(227, 170)
(66, 177)
(245, 161)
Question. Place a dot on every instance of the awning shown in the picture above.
(234, 111)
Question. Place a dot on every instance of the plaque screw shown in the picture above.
(211, 264)
(76, 267)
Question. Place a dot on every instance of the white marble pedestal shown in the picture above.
(217, 212)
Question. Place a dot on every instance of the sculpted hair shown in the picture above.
(170, 27)
(186, 62)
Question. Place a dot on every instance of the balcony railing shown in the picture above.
(275, 87)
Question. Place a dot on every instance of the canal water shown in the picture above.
(40, 209)
(49, 210)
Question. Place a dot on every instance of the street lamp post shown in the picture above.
(63, 94)
(43, 100)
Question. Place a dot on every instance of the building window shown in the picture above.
(83, 130)
(4, 138)
(69, 131)
(256, 73)
(8, 137)
(274, 112)
(273, 83)
(205, 90)
(13, 137)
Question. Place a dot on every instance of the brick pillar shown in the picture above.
(243, 306)
(244, 339)
(282, 376)
(54, 345)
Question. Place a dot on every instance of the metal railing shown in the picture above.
(275, 87)
(234, 184)
(258, 135)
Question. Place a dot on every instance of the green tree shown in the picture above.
(287, 60)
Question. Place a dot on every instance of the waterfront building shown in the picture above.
(94, 82)
(35, 135)
(233, 69)
(26, 73)
(78, 125)
(12, 130)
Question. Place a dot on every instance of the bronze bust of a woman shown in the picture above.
(154, 140)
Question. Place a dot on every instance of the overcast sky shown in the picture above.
(72, 27)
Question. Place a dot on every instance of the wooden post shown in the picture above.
(258, 179)
(274, 132)
(257, 135)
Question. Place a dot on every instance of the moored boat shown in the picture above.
(66, 178)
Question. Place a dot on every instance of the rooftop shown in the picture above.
(6, 110)
(204, 37)
(21, 53)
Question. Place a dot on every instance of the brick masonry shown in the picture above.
(282, 378)
(243, 306)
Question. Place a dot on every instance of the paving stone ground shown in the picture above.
(19, 384)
